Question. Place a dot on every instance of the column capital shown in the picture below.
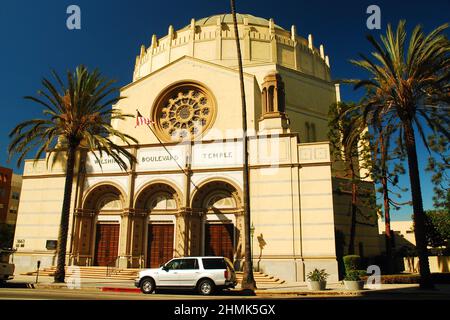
(139, 213)
(198, 212)
(84, 213)
(183, 211)
(127, 212)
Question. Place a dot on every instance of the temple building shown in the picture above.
(184, 195)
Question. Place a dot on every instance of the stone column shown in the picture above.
(219, 39)
(191, 38)
(273, 42)
(195, 233)
(86, 246)
(124, 238)
(181, 233)
(76, 236)
(137, 239)
(246, 54)
(126, 224)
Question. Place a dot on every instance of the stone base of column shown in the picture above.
(123, 262)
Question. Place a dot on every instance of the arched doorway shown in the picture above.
(99, 226)
(219, 205)
(160, 203)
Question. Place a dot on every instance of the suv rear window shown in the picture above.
(214, 263)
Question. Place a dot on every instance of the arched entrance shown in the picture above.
(97, 227)
(159, 204)
(218, 203)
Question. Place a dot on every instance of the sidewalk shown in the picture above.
(285, 289)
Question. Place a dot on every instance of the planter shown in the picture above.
(317, 285)
(354, 285)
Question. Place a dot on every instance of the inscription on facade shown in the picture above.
(158, 158)
(217, 155)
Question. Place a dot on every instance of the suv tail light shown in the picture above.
(225, 274)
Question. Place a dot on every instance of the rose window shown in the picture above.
(184, 112)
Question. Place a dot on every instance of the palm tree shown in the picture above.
(409, 90)
(248, 281)
(78, 115)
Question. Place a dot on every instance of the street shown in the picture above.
(67, 294)
(23, 293)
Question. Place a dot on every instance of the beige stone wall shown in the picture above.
(367, 238)
(404, 232)
(38, 221)
(16, 186)
(437, 264)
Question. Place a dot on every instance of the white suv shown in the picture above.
(202, 273)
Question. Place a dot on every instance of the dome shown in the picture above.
(212, 39)
(228, 18)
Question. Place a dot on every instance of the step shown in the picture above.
(130, 274)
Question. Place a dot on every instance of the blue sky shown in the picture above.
(34, 40)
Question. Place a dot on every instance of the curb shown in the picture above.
(257, 292)
(63, 287)
(310, 293)
(126, 290)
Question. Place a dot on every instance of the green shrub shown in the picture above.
(398, 279)
(352, 262)
(353, 275)
(317, 275)
(438, 278)
(362, 273)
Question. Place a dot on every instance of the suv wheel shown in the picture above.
(147, 286)
(205, 287)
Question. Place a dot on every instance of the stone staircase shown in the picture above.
(130, 274)
(92, 273)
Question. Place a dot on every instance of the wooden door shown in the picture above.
(106, 244)
(160, 244)
(219, 240)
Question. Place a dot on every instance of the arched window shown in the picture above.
(313, 132)
(220, 200)
(281, 100)
(264, 99)
(270, 99)
(109, 201)
(161, 201)
(308, 132)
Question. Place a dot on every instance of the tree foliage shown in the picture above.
(438, 228)
(408, 89)
(439, 165)
(76, 115)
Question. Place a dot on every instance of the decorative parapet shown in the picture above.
(270, 44)
(40, 167)
(313, 153)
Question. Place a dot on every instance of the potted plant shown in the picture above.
(352, 281)
(317, 279)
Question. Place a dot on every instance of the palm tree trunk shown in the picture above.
(65, 213)
(387, 213)
(419, 215)
(248, 281)
(387, 225)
